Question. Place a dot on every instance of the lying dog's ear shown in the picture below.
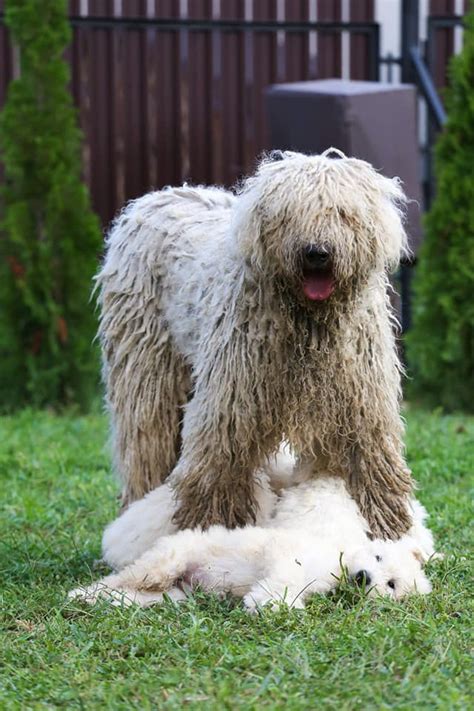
(418, 553)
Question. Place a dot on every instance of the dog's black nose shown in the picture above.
(363, 578)
(315, 258)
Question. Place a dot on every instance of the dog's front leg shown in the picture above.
(214, 479)
(226, 437)
(371, 429)
(233, 422)
(381, 483)
(379, 478)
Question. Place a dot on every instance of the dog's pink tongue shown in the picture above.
(318, 287)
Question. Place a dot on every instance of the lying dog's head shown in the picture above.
(391, 568)
(320, 225)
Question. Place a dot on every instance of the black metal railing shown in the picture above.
(418, 65)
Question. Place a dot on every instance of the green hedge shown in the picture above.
(49, 237)
(441, 342)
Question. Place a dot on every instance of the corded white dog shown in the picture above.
(305, 540)
(231, 321)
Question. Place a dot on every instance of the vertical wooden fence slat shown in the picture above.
(200, 97)
(360, 10)
(232, 95)
(133, 8)
(248, 79)
(95, 111)
(183, 83)
(265, 72)
(74, 7)
(118, 128)
(150, 95)
(297, 43)
(101, 180)
(101, 8)
(444, 42)
(329, 44)
(164, 52)
(146, 154)
(216, 140)
(134, 113)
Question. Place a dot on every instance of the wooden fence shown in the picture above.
(167, 91)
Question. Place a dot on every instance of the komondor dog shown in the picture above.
(307, 539)
(231, 322)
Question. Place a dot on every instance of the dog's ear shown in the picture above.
(258, 206)
(247, 222)
(276, 155)
(419, 555)
(392, 214)
(435, 557)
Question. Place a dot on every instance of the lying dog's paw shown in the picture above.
(257, 599)
(124, 597)
(100, 591)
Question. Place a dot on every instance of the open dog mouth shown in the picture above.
(318, 285)
(318, 277)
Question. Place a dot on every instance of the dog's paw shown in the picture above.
(100, 591)
(256, 600)
(124, 597)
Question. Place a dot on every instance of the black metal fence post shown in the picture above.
(410, 38)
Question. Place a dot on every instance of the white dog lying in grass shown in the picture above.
(306, 540)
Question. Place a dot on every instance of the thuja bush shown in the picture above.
(441, 343)
(49, 237)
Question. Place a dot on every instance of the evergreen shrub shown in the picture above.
(49, 237)
(440, 345)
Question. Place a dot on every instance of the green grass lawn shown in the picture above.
(344, 652)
